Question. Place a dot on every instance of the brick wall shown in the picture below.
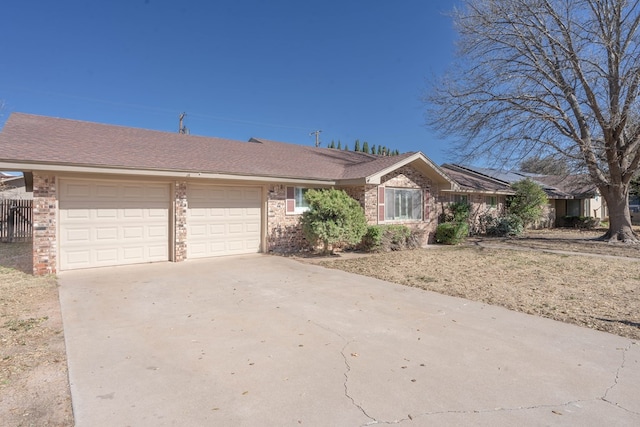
(284, 233)
(45, 204)
(408, 177)
(181, 207)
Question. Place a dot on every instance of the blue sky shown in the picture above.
(270, 69)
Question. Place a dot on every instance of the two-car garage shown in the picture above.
(109, 222)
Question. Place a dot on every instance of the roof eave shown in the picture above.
(436, 175)
(162, 173)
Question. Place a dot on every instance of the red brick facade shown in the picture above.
(283, 232)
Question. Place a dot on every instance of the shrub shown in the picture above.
(384, 238)
(333, 218)
(455, 227)
(586, 222)
(456, 212)
(509, 225)
(452, 233)
(527, 202)
(372, 239)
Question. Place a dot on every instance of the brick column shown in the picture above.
(181, 205)
(45, 245)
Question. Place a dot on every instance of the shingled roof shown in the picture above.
(487, 180)
(33, 140)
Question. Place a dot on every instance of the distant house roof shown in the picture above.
(579, 186)
(15, 187)
(33, 142)
(471, 178)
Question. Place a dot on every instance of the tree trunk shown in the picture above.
(620, 229)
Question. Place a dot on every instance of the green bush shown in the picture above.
(333, 218)
(384, 238)
(452, 233)
(454, 224)
(509, 225)
(372, 239)
(586, 222)
(527, 202)
(456, 212)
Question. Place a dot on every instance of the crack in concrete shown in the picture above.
(346, 386)
(346, 376)
(412, 417)
(604, 397)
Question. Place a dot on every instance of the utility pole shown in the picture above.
(317, 134)
(181, 128)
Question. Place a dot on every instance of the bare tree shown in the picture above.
(547, 165)
(540, 77)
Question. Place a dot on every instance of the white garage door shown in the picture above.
(112, 223)
(223, 220)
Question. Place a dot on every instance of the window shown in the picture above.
(296, 204)
(301, 204)
(491, 201)
(402, 204)
(573, 207)
(460, 198)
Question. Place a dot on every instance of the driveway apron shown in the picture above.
(269, 341)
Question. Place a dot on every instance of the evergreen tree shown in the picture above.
(346, 146)
(357, 147)
(332, 145)
(339, 145)
(380, 152)
(365, 147)
(373, 149)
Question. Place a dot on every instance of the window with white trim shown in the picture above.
(301, 204)
(491, 201)
(402, 204)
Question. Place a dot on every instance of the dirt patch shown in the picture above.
(598, 293)
(34, 385)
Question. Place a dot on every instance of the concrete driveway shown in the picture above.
(268, 341)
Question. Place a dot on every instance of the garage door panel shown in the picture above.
(105, 234)
(133, 233)
(253, 228)
(81, 234)
(231, 215)
(81, 191)
(113, 223)
(106, 191)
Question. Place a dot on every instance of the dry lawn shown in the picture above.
(599, 292)
(34, 386)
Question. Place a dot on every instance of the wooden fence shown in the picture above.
(16, 220)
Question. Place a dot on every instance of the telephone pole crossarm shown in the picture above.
(317, 134)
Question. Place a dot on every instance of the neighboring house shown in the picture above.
(484, 194)
(14, 187)
(110, 195)
(571, 195)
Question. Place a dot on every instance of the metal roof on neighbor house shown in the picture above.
(474, 182)
(486, 179)
(40, 140)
